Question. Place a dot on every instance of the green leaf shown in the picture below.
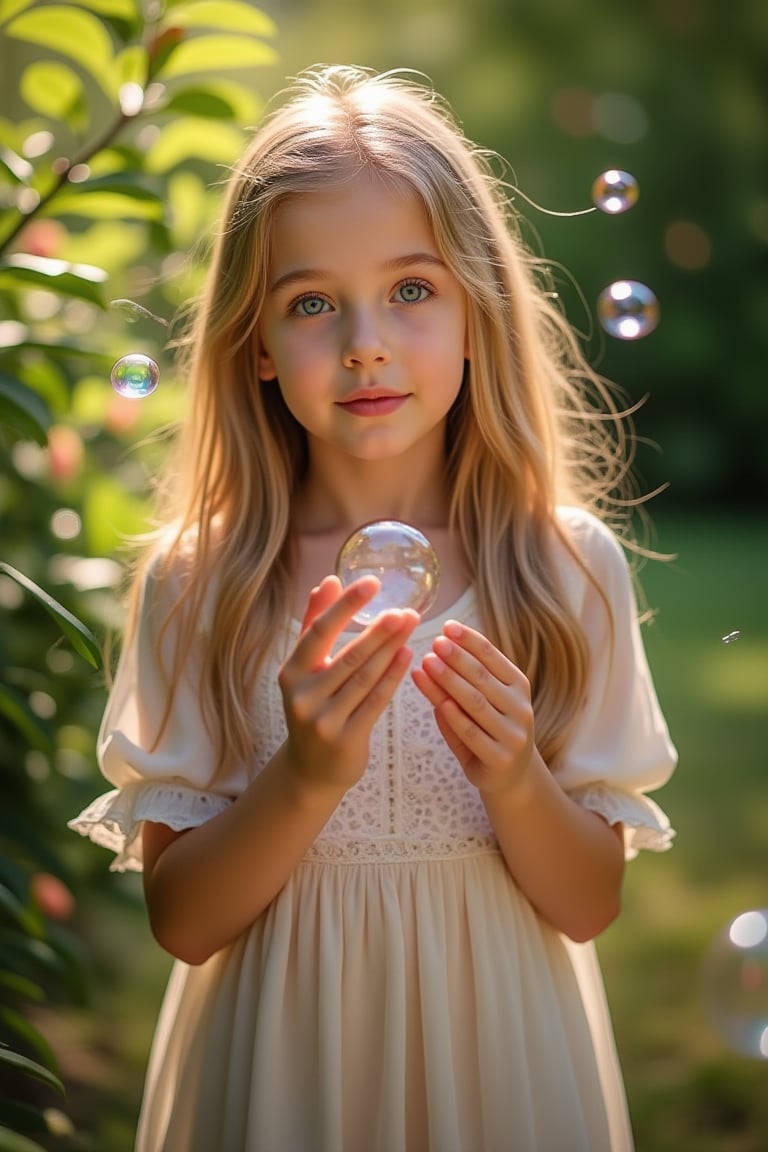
(79, 35)
(14, 878)
(193, 139)
(77, 281)
(80, 637)
(101, 205)
(13, 1142)
(31, 1067)
(16, 709)
(22, 1117)
(116, 9)
(131, 184)
(11, 8)
(66, 348)
(34, 1038)
(23, 410)
(132, 65)
(227, 14)
(21, 986)
(217, 54)
(50, 88)
(200, 102)
(15, 910)
(19, 951)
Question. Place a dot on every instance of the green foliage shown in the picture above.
(126, 121)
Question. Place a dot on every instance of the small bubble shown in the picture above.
(135, 376)
(402, 559)
(628, 310)
(731, 636)
(615, 191)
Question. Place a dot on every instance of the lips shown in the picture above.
(373, 402)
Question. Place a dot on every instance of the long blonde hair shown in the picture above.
(533, 426)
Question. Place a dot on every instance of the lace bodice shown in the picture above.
(413, 799)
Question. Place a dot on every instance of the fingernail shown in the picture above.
(443, 646)
(453, 628)
(434, 663)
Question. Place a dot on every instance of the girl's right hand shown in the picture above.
(332, 701)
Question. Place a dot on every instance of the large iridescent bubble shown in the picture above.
(735, 983)
(403, 560)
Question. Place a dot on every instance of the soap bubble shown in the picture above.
(628, 310)
(615, 191)
(735, 981)
(403, 560)
(135, 376)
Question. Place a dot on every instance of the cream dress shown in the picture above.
(400, 994)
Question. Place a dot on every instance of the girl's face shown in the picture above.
(363, 325)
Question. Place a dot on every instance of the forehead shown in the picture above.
(364, 213)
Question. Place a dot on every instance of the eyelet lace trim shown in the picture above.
(386, 850)
(645, 825)
(114, 820)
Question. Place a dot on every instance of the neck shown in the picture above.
(352, 492)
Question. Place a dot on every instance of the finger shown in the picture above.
(320, 599)
(482, 674)
(459, 729)
(326, 617)
(481, 648)
(379, 696)
(456, 745)
(357, 670)
(471, 699)
(428, 687)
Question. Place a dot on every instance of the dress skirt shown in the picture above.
(410, 1006)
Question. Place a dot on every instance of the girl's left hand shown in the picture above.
(482, 705)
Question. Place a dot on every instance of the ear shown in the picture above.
(266, 367)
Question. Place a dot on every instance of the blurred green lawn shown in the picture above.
(686, 1090)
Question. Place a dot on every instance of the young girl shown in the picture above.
(380, 854)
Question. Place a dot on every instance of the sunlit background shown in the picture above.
(672, 92)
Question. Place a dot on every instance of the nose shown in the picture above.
(365, 343)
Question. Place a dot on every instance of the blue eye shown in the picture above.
(412, 291)
(310, 306)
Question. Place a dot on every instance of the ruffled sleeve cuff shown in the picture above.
(114, 820)
(645, 824)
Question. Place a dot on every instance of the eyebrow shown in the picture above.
(399, 263)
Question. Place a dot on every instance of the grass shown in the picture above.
(686, 1089)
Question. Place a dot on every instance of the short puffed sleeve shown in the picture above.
(620, 748)
(163, 767)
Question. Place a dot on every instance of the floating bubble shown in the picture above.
(403, 560)
(628, 310)
(731, 636)
(615, 191)
(135, 376)
(735, 982)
